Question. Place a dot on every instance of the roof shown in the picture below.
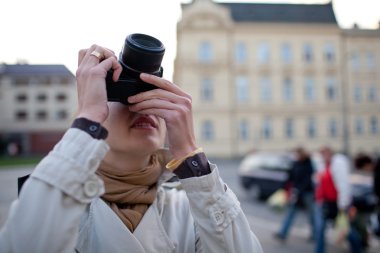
(283, 13)
(26, 70)
(358, 32)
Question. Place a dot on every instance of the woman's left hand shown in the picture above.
(173, 105)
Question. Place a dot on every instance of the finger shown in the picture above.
(154, 103)
(92, 60)
(157, 107)
(160, 94)
(163, 84)
(81, 55)
(111, 63)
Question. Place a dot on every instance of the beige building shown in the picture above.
(275, 76)
(37, 104)
(362, 83)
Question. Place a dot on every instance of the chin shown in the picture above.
(152, 144)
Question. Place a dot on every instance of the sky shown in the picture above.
(53, 31)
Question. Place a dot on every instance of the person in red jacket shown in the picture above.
(333, 197)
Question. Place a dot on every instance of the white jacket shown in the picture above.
(340, 168)
(59, 210)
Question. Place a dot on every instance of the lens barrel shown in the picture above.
(142, 53)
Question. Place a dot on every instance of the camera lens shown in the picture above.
(142, 53)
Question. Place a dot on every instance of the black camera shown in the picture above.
(141, 53)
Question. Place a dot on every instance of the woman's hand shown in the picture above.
(93, 64)
(174, 106)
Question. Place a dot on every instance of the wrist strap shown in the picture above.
(174, 163)
(93, 128)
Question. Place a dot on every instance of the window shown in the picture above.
(372, 93)
(41, 115)
(286, 53)
(374, 126)
(289, 128)
(308, 55)
(263, 53)
(329, 53)
(21, 81)
(61, 97)
(65, 80)
(287, 90)
(265, 89)
(61, 115)
(207, 89)
(22, 98)
(331, 89)
(311, 128)
(21, 115)
(355, 61)
(310, 94)
(242, 89)
(207, 130)
(266, 130)
(371, 61)
(41, 97)
(243, 130)
(359, 126)
(205, 52)
(357, 93)
(333, 128)
(240, 53)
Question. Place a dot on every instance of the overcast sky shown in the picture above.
(52, 31)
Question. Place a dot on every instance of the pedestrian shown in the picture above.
(368, 164)
(103, 186)
(301, 189)
(333, 197)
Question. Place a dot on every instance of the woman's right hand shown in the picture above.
(93, 64)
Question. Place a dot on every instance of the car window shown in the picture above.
(267, 161)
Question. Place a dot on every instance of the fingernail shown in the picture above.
(131, 99)
(144, 75)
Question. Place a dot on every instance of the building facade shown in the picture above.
(37, 104)
(275, 76)
(362, 83)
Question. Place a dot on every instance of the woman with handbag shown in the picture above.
(333, 197)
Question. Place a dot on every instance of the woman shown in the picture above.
(96, 195)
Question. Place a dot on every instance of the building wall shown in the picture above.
(35, 113)
(362, 72)
(207, 23)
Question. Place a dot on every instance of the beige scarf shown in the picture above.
(130, 193)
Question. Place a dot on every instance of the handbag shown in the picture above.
(329, 209)
(278, 200)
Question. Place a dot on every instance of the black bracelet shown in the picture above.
(91, 127)
(194, 166)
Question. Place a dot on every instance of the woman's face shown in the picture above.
(132, 132)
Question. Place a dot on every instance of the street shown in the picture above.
(264, 221)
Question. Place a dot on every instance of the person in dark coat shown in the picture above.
(300, 184)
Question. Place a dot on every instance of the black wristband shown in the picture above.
(91, 127)
(194, 166)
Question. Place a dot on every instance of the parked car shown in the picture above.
(263, 173)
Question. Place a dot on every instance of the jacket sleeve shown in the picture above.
(220, 221)
(45, 217)
(341, 176)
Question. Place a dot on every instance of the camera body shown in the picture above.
(140, 54)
